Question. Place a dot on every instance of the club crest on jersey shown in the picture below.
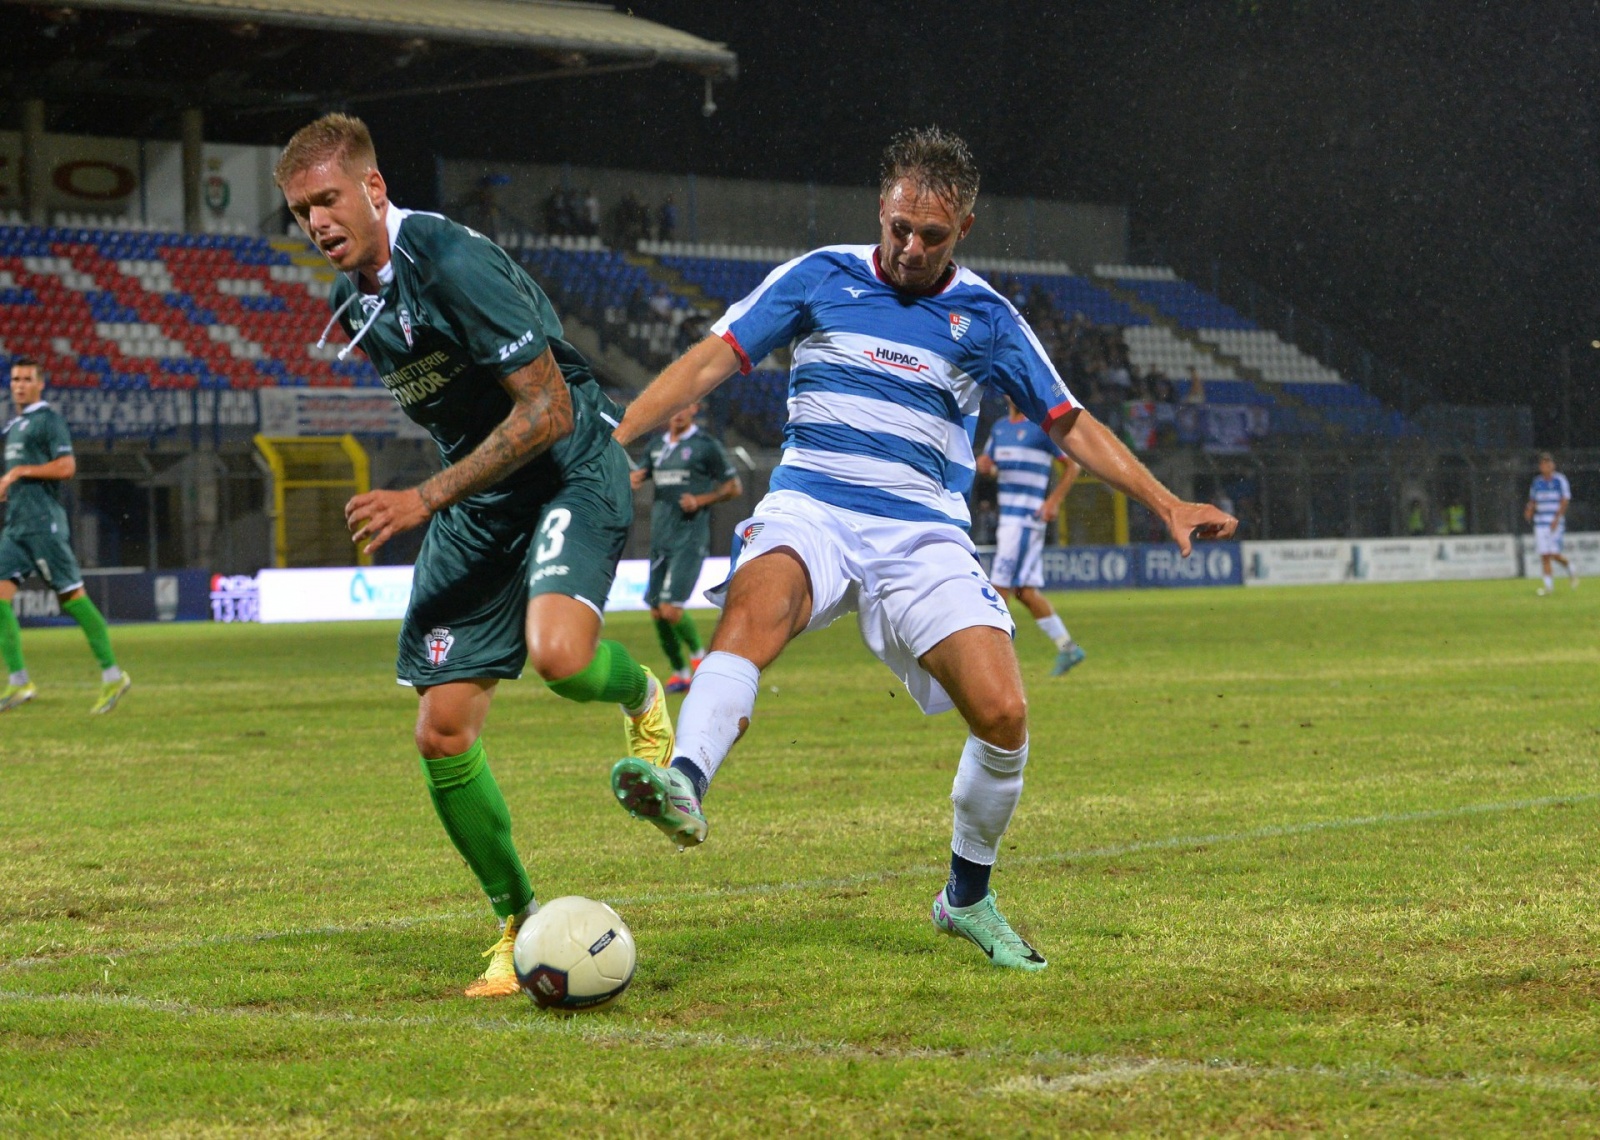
(959, 325)
(439, 642)
(405, 324)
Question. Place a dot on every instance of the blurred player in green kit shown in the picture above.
(39, 460)
(691, 473)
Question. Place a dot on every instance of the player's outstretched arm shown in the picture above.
(680, 384)
(59, 468)
(541, 415)
(1102, 454)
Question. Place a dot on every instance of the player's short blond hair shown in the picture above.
(335, 136)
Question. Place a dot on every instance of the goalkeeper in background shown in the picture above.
(691, 473)
(38, 460)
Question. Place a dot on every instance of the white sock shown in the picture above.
(20, 677)
(717, 710)
(649, 697)
(1055, 629)
(112, 674)
(1548, 584)
(987, 787)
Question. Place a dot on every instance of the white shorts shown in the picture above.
(911, 585)
(1018, 555)
(1547, 543)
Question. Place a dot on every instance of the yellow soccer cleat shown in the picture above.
(110, 693)
(500, 976)
(14, 695)
(650, 733)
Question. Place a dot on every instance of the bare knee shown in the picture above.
(440, 736)
(670, 613)
(556, 654)
(1002, 721)
(562, 636)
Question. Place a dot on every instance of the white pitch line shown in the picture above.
(1089, 1070)
(1109, 851)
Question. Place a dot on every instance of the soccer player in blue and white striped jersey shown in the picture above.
(1021, 456)
(1548, 499)
(867, 512)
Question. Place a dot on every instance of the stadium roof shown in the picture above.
(545, 25)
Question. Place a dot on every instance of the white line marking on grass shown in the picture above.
(1109, 851)
(1091, 1070)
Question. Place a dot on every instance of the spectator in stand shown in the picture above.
(661, 305)
(1197, 388)
(591, 213)
(638, 307)
(667, 219)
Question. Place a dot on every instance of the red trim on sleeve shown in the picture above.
(1058, 413)
(744, 358)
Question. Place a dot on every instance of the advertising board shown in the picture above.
(1297, 563)
(381, 593)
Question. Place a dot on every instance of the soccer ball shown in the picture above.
(575, 953)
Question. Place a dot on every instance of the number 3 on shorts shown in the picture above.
(552, 534)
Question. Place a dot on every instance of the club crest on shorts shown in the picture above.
(751, 531)
(959, 325)
(438, 642)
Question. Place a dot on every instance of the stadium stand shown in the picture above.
(123, 308)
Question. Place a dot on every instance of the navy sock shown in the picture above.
(969, 881)
(699, 779)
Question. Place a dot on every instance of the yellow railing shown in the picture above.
(312, 479)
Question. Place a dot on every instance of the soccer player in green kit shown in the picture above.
(38, 460)
(529, 515)
(691, 473)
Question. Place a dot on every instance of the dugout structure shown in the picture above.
(313, 477)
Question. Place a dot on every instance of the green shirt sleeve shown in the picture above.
(59, 438)
(714, 463)
(494, 309)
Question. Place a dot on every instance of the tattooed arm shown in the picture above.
(541, 415)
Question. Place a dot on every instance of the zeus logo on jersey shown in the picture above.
(507, 349)
(959, 325)
(438, 642)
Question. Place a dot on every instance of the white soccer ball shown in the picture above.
(575, 953)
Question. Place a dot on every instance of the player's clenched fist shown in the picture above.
(378, 516)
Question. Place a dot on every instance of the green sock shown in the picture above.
(475, 817)
(687, 630)
(611, 675)
(83, 611)
(11, 639)
(669, 643)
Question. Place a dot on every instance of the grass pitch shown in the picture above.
(1315, 860)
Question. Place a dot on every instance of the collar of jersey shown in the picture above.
(34, 407)
(674, 442)
(391, 222)
(951, 272)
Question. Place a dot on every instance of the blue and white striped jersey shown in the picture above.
(1547, 495)
(885, 386)
(1023, 453)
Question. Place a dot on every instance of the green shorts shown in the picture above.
(476, 571)
(674, 570)
(39, 552)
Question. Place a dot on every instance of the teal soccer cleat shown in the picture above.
(663, 796)
(986, 928)
(1067, 658)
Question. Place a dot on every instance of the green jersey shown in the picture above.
(452, 317)
(35, 436)
(694, 462)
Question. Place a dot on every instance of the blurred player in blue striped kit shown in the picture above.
(1548, 499)
(893, 346)
(1021, 456)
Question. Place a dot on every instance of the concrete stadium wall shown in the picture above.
(793, 214)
